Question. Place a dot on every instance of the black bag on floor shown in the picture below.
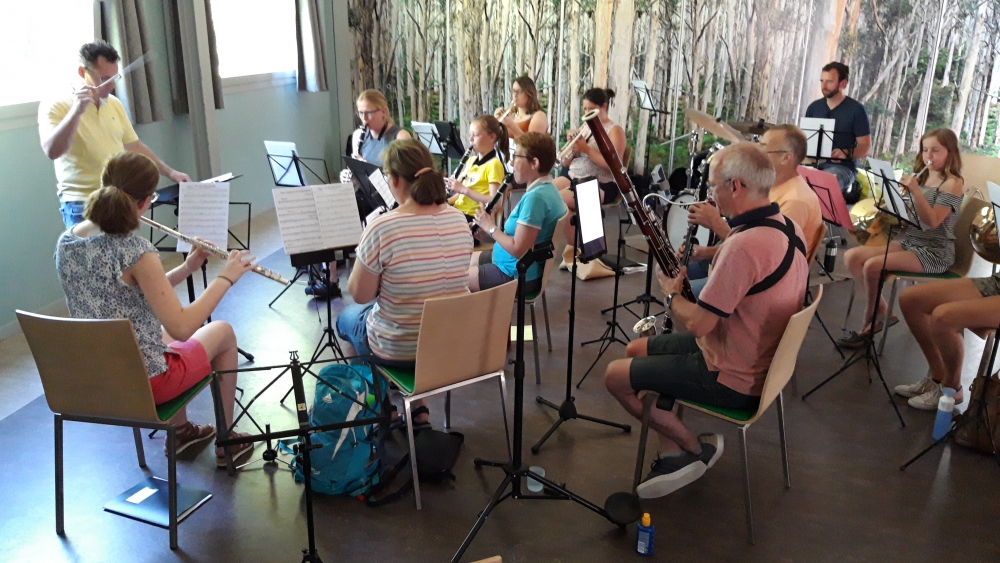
(437, 453)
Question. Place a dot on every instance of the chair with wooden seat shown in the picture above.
(92, 371)
(448, 359)
(558, 241)
(971, 206)
(778, 375)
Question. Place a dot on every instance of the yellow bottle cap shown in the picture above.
(646, 520)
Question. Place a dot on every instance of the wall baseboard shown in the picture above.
(54, 309)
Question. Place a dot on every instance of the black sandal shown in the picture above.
(422, 409)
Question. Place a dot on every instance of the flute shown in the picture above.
(212, 249)
(511, 109)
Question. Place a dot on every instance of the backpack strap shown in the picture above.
(794, 243)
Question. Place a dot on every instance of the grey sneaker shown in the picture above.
(671, 473)
(916, 389)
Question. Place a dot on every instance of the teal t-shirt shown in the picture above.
(541, 208)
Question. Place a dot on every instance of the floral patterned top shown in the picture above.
(90, 270)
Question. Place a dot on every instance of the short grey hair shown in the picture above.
(794, 141)
(748, 163)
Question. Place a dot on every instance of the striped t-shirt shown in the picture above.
(418, 257)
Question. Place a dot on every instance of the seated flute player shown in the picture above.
(758, 281)
(418, 251)
(108, 272)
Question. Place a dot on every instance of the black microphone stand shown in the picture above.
(515, 470)
(567, 410)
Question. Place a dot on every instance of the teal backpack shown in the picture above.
(347, 463)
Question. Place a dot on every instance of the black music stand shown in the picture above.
(647, 101)
(898, 209)
(617, 512)
(592, 250)
(429, 135)
(361, 170)
(452, 139)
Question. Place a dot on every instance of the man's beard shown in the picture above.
(831, 94)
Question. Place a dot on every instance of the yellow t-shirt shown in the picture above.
(102, 133)
(478, 177)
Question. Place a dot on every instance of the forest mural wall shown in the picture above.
(915, 64)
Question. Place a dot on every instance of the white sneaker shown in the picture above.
(927, 401)
(916, 389)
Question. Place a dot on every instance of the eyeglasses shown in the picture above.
(516, 156)
(365, 114)
(776, 152)
(712, 187)
(517, 91)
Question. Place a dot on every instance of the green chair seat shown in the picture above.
(167, 410)
(942, 276)
(531, 296)
(742, 415)
(403, 378)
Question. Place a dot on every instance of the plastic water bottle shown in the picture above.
(645, 533)
(942, 424)
(830, 259)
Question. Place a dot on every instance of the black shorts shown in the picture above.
(491, 276)
(675, 368)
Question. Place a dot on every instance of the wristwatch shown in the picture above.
(492, 230)
(670, 299)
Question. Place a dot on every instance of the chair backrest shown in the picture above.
(463, 337)
(971, 206)
(558, 242)
(783, 363)
(90, 367)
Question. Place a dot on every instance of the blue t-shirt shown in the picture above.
(541, 208)
(851, 122)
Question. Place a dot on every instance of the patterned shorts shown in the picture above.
(988, 287)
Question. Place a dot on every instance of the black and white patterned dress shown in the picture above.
(90, 270)
(935, 248)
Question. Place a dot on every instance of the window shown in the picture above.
(41, 40)
(255, 36)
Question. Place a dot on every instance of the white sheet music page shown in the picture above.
(203, 211)
(994, 192)
(298, 219)
(337, 211)
(382, 187)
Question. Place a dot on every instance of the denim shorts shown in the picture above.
(72, 213)
(352, 327)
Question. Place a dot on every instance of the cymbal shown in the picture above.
(758, 127)
(720, 129)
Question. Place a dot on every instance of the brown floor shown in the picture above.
(848, 501)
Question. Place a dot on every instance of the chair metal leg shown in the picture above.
(172, 484)
(746, 483)
(60, 491)
(640, 459)
(850, 305)
(447, 409)
(534, 344)
(413, 453)
(784, 444)
(888, 315)
(139, 452)
(545, 315)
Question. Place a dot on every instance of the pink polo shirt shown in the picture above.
(742, 344)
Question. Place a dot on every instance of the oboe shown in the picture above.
(212, 249)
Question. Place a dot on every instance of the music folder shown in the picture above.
(149, 502)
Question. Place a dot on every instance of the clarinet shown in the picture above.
(361, 138)
(508, 179)
(648, 223)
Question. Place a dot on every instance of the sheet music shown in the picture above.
(382, 187)
(203, 211)
(645, 102)
(898, 205)
(994, 192)
(427, 134)
(337, 209)
(317, 217)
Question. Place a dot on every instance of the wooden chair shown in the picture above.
(92, 371)
(558, 241)
(448, 359)
(780, 372)
(971, 206)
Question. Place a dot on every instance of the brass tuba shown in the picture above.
(983, 233)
